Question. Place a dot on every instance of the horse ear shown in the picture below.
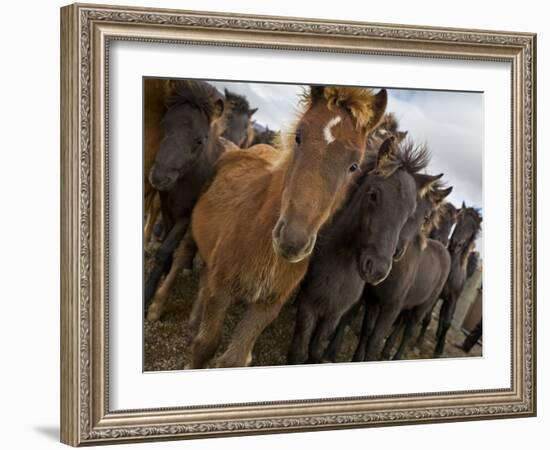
(424, 182)
(316, 93)
(379, 103)
(169, 86)
(225, 92)
(445, 192)
(385, 151)
(217, 111)
(252, 111)
(401, 135)
(463, 205)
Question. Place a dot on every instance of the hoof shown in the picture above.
(248, 359)
(154, 313)
(233, 362)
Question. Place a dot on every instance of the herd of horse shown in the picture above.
(337, 213)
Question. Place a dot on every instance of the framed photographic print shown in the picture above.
(276, 224)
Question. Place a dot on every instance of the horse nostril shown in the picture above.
(277, 231)
(368, 265)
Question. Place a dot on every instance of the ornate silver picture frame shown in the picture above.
(87, 33)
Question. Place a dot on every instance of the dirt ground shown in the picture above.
(167, 342)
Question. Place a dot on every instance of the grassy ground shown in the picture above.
(167, 342)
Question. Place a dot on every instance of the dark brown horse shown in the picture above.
(433, 269)
(385, 301)
(462, 243)
(190, 146)
(473, 263)
(237, 119)
(388, 127)
(233, 124)
(363, 235)
(257, 224)
(447, 220)
(262, 135)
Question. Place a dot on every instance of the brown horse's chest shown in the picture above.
(274, 281)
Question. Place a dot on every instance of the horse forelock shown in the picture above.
(357, 100)
(408, 156)
(236, 103)
(198, 93)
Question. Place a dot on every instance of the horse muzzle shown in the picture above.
(163, 180)
(399, 252)
(373, 270)
(291, 244)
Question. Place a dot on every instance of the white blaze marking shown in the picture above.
(327, 131)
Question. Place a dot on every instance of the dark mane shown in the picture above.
(448, 209)
(408, 156)
(197, 93)
(237, 103)
(476, 215)
(441, 209)
(389, 123)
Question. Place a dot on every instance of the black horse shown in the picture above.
(189, 113)
(447, 218)
(415, 280)
(461, 245)
(384, 198)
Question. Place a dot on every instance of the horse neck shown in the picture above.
(214, 145)
(272, 186)
(459, 261)
(346, 222)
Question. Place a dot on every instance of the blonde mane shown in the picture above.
(359, 101)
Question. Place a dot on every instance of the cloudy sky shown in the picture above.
(449, 123)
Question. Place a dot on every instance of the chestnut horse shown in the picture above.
(256, 225)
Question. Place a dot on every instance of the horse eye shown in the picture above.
(298, 137)
(373, 195)
(353, 167)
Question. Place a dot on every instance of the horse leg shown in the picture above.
(445, 318)
(214, 305)
(372, 310)
(306, 320)
(188, 252)
(382, 327)
(163, 259)
(179, 260)
(410, 325)
(425, 324)
(323, 333)
(256, 318)
(152, 216)
(336, 341)
(392, 339)
(195, 316)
